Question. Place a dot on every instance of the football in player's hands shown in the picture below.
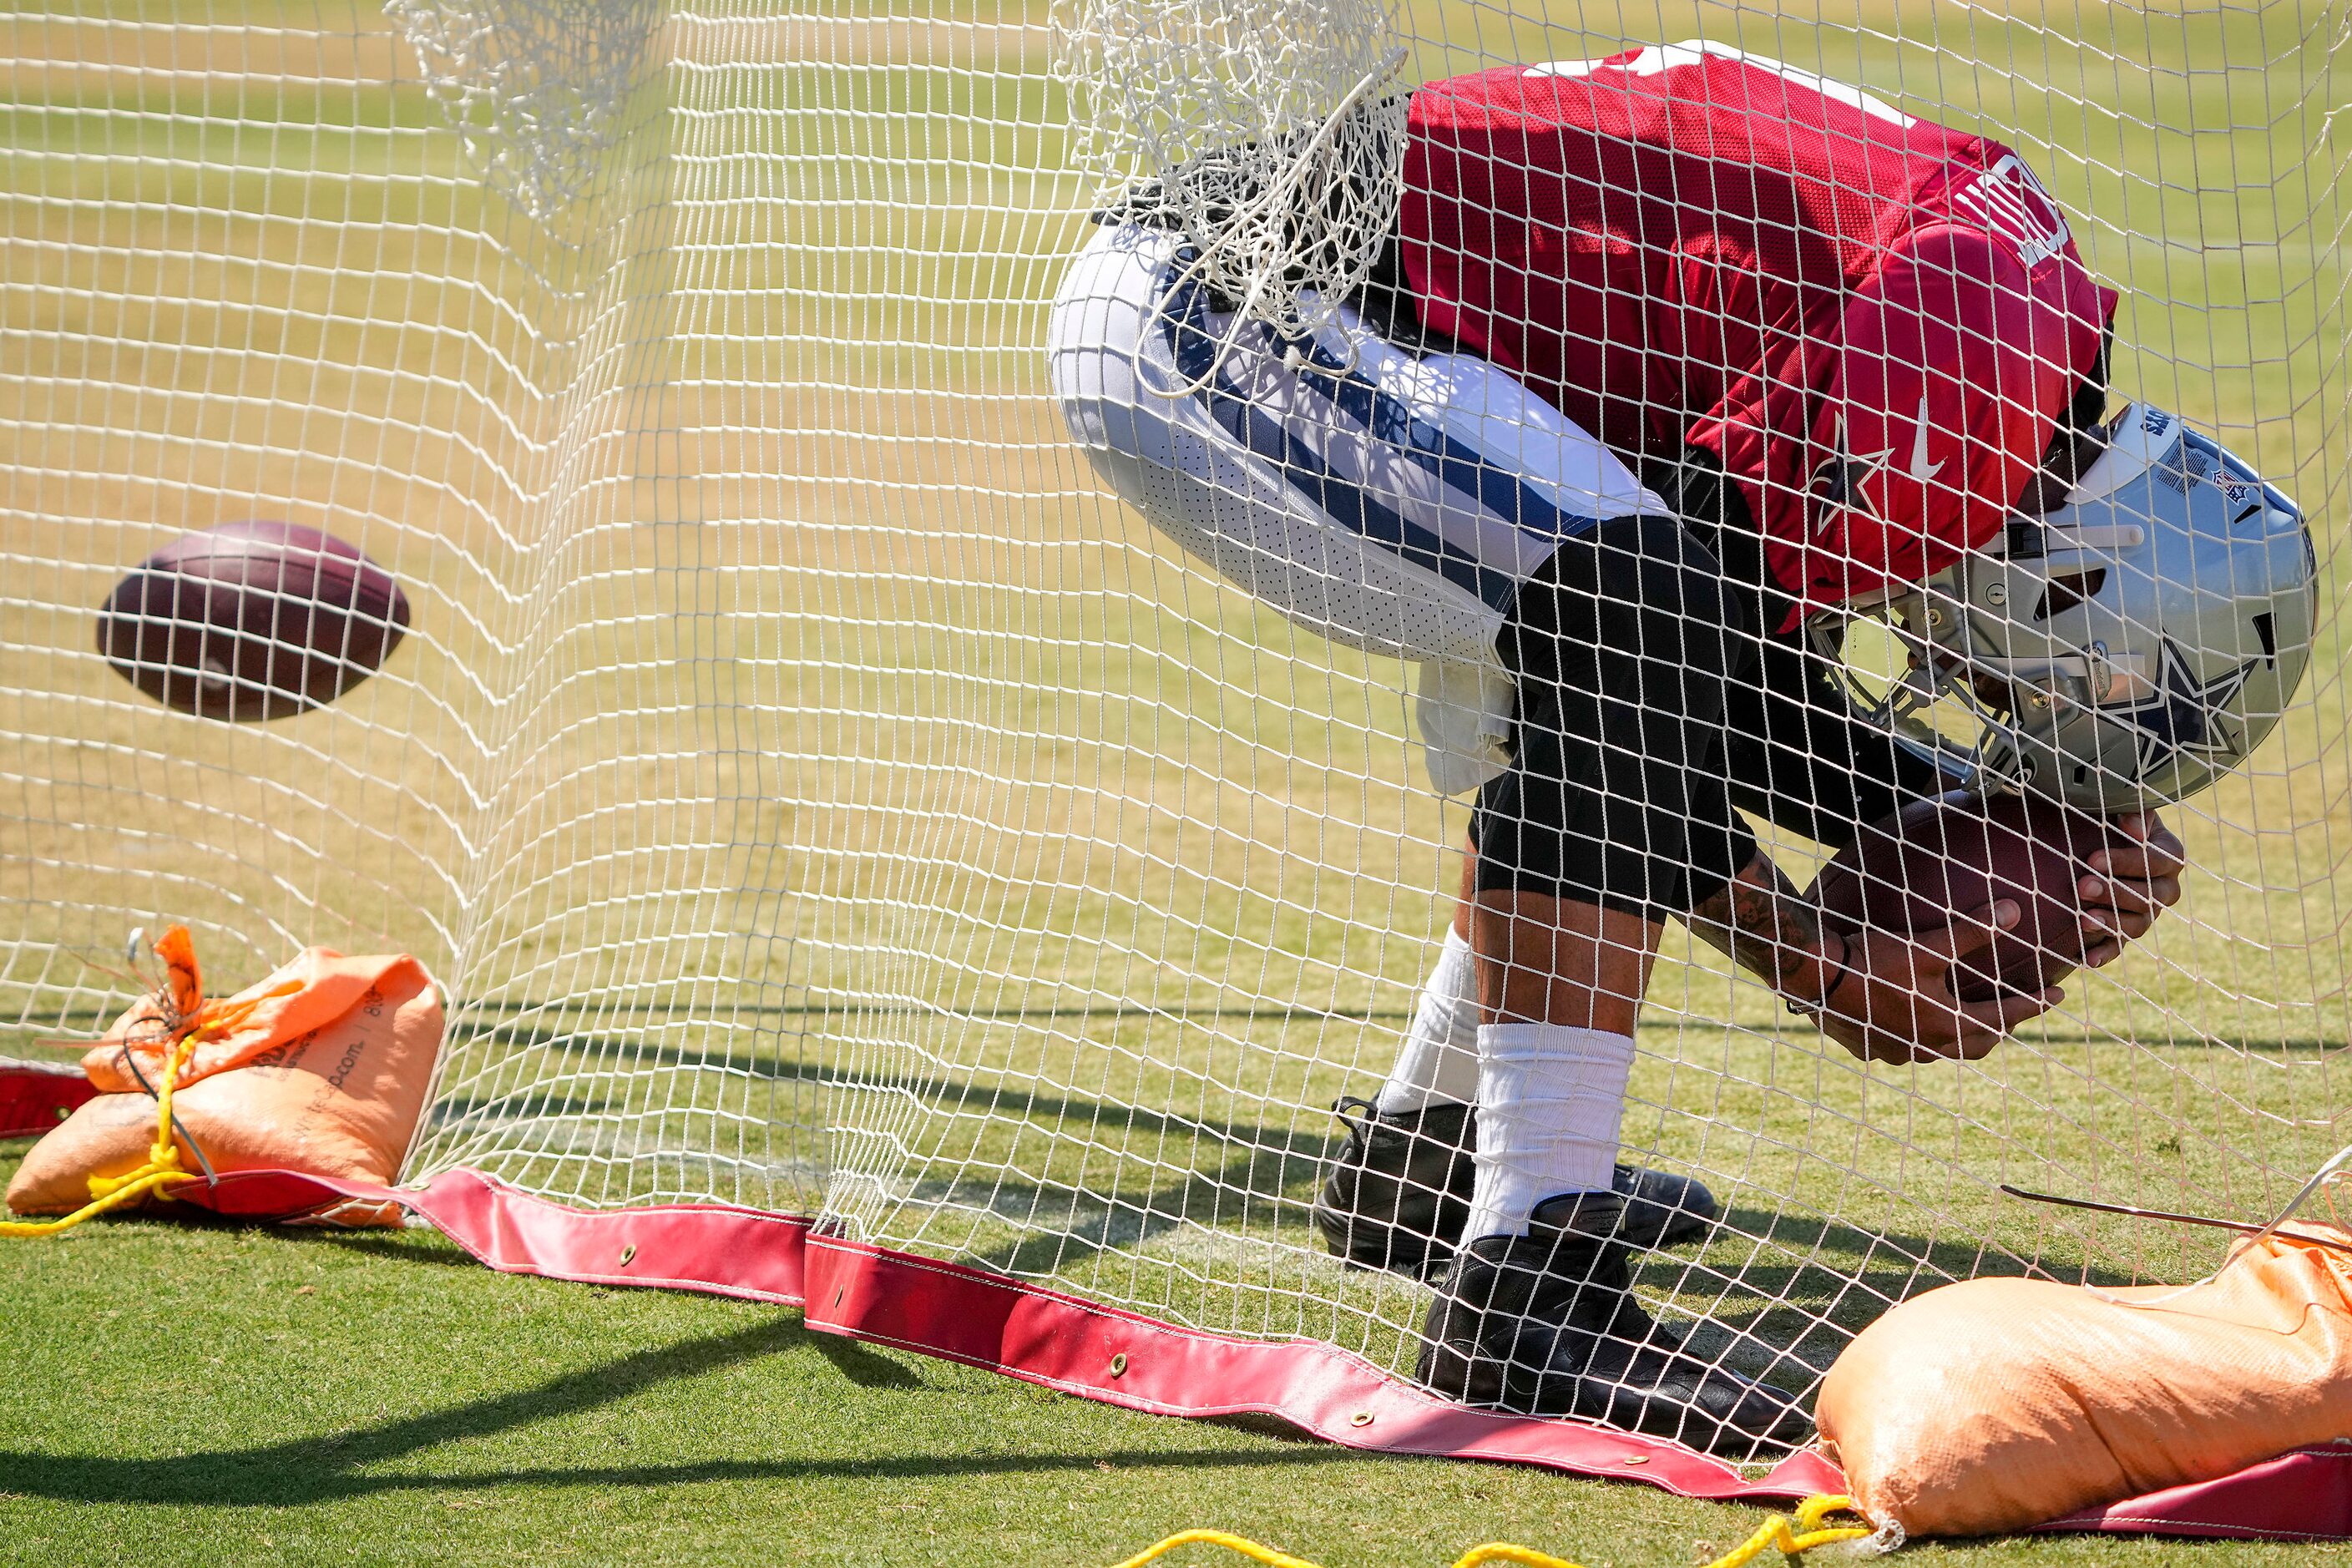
(1918, 868)
(252, 620)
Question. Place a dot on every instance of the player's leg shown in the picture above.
(1398, 1190)
(1399, 1187)
(1260, 461)
(1437, 1064)
(1614, 816)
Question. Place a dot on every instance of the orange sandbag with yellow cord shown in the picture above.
(322, 1069)
(1995, 1405)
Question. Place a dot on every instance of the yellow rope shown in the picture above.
(162, 1169)
(132, 1187)
(1811, 1529)
(182, 1014)
(1250, 1549)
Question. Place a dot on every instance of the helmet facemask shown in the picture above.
(2126, 649)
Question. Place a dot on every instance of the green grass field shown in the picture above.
(203, 1394)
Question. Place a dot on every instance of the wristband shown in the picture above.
(1838, 977)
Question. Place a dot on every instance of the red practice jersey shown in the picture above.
(1874, 322)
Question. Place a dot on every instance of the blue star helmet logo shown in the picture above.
(2183, 714)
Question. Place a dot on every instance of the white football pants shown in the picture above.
(1392, 504)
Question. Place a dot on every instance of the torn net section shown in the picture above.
(815, 788)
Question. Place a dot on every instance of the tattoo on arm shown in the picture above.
(1762, 923)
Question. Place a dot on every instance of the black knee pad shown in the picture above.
(1623, 646)
(1801, 757)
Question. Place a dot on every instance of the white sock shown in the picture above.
(1438, 1063)
(1551, 1100)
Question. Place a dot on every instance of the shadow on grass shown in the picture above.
(1253, 1184)
(866, 1368)
(400, 1247)
(320, 1470)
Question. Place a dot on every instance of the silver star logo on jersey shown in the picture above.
(2183, 714)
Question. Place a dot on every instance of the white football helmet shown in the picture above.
(2125, 648)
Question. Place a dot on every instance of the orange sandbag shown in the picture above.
(322, 1069)
(1995, 1405)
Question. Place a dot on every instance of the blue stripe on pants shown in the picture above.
(1462, 468)
(1337, 497)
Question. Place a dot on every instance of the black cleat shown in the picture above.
(1399, 1191)
(1660, 1209)
(1546, 1324)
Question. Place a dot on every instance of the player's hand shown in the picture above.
(1893, 998)
(2131, 884)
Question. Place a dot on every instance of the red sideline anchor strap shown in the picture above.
(2305, 1495)
(36, 1096)
(985, 1320)
(1123, 1358)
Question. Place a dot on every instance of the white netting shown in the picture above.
(1266, 128)
(536, 90)
(815, 785)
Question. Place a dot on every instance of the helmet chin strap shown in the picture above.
(1901, 708)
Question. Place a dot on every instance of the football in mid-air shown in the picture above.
(1935, 858)
(252, 620)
